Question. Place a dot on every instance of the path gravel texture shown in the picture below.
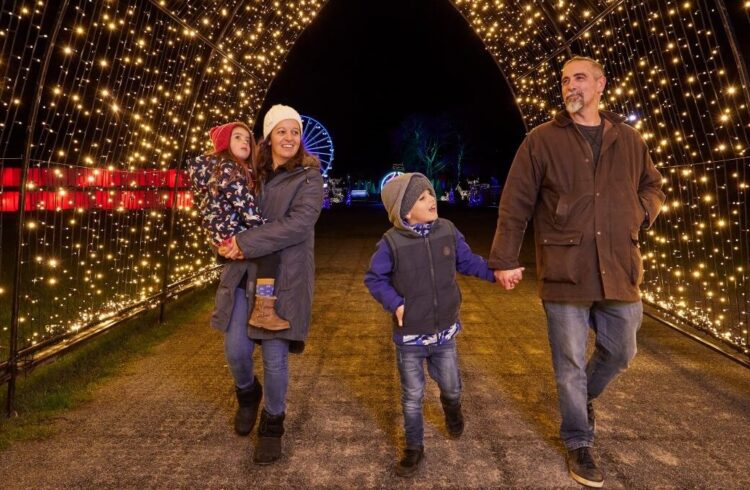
(678, 418)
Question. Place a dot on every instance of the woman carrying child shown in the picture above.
(290, 194)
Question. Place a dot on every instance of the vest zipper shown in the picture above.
(434, 285)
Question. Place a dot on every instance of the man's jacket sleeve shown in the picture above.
(649, 188)
(516, 208)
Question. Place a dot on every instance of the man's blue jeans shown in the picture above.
(238, 349)
(615, 324)
(442, 364)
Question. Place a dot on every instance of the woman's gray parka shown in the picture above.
(291, 202)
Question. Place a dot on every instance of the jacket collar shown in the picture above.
(284, 174)
(408, 230)
(563, 119)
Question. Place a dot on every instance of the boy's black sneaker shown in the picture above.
(409, 464)
(583, 469)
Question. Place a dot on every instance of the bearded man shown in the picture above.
(587, 181)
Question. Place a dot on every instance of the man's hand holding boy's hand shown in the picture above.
(400, 315)
(509, 279)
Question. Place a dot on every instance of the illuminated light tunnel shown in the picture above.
(130, 88)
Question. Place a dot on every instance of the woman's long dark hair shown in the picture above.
(264, 161)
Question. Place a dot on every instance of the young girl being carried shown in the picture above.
(224, 187)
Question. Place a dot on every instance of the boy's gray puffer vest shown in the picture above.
(424, 273)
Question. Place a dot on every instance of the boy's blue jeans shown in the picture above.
(442, 364)
(615, 324)
(238, 349)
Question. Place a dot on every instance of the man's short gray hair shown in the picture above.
(597, 66)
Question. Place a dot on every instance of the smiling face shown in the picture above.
(424, 209)
(286, 138)
(240, 144)
(582, 86)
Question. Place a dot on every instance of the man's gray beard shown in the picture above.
(573, 105)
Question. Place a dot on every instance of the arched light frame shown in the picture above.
(133, 86)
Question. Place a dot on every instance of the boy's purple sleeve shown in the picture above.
(378, 278)
(470, 264)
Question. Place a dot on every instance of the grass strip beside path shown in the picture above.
(67, 383)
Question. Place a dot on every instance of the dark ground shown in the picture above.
(679, 418)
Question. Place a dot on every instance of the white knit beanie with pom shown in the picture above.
(276, 114)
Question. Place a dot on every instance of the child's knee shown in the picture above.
(412, 396)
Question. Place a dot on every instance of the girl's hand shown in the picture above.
(222, 247)
(400, 315)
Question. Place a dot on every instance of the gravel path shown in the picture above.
(679, 418)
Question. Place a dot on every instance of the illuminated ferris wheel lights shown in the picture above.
(317, 140)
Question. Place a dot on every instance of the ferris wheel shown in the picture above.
(317, 141)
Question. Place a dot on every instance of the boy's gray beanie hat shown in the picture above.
(394, 197)
(417, 185)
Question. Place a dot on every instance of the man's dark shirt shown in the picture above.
(593, 135)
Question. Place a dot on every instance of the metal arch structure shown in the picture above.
(528, 63)
(317, 140)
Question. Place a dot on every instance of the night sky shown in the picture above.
(363, 66)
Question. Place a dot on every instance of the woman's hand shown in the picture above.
(231, 250)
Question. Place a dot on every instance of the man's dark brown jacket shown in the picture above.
(587, 217)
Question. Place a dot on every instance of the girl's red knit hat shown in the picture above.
(220, 135)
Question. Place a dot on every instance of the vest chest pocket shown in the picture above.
(560, 252)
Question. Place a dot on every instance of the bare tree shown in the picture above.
(429, 145)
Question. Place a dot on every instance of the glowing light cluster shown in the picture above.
(135, 85)
(671, 72)
(130, 86)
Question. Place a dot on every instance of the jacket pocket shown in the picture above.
(560, 252)
(570, 205)
(413, 317)
(636, 261)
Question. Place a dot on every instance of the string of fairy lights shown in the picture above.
(123, 91)
(120, 95)
(670, 72)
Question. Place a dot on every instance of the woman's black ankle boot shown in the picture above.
(247, 412)
(268, 446)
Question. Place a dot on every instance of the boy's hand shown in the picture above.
(400, 315)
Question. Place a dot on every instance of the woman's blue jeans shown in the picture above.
(442, 364)
(615, 324)
(238, 349)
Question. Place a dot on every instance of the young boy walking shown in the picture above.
(413, 275)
